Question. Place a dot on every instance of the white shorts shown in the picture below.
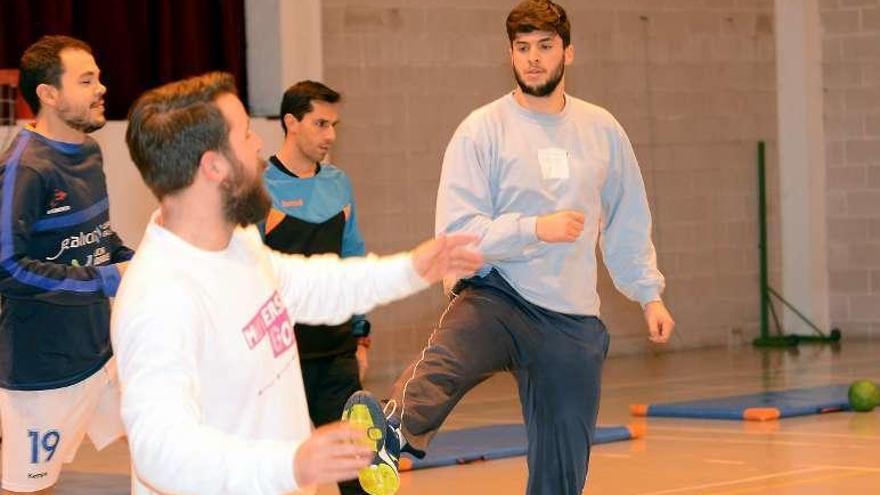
(42, 429)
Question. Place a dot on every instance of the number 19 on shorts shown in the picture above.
(44, 445)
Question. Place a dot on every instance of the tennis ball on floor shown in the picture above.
(864, 396)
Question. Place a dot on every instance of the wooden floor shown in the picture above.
(835, 453)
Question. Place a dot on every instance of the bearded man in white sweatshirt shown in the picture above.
(213, 398)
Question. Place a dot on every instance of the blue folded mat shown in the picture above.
(491, 442)
(762, 406)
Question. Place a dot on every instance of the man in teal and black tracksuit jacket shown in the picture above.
(313, 213)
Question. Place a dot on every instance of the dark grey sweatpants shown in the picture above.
(556, 359)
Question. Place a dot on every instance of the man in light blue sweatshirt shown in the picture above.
(540, 177)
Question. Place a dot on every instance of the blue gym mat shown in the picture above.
(491, 442)
(762, 406)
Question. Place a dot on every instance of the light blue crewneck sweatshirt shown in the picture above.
(506, 165)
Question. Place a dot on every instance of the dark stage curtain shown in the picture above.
(138, 44)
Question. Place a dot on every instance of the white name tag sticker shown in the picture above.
(554, 163)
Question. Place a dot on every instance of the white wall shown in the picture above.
(801, 162)
(283, 47)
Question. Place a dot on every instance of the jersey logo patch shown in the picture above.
(58, 197)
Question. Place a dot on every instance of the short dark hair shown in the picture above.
(172, 126)
(539, 15)
(298, 98)
(41, 64)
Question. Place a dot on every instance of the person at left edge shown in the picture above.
(60, 262)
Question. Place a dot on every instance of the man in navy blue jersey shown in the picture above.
(59, 263)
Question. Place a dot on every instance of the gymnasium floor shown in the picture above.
(832, 453)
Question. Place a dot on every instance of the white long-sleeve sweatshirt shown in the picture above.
(212, 395)
(507, 165)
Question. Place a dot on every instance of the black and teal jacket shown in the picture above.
(56, 263)
(315, 215)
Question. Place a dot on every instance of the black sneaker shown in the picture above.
(381, 476)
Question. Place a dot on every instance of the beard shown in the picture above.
(80, 119)
(544, 89)
(245, 202)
